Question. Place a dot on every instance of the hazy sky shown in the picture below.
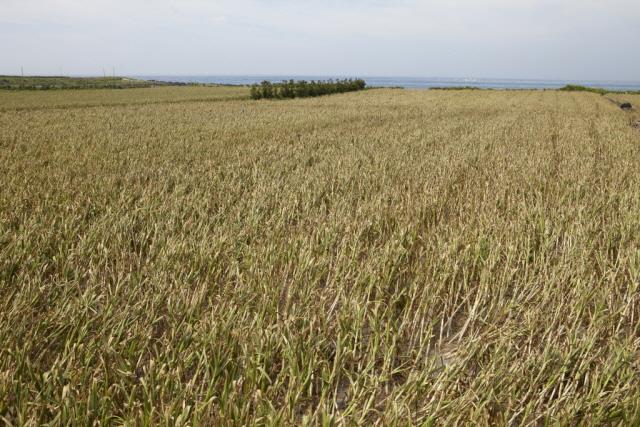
(564, 39)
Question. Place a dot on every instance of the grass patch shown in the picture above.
(53, 82)
(456, 88)
(600, 91)
(578, 88)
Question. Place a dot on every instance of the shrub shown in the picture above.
(578, 88)
(302, 88)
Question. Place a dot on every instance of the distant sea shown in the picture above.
(407, 82)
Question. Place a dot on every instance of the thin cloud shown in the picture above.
(587, 39)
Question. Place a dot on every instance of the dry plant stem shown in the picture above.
(382, 257)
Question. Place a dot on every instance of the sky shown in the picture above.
(537, 39)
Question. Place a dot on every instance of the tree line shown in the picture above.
(304, 89)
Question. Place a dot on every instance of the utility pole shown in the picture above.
(22, 70)
(114, 71)
(104, 73)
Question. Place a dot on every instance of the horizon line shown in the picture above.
(337, 75)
